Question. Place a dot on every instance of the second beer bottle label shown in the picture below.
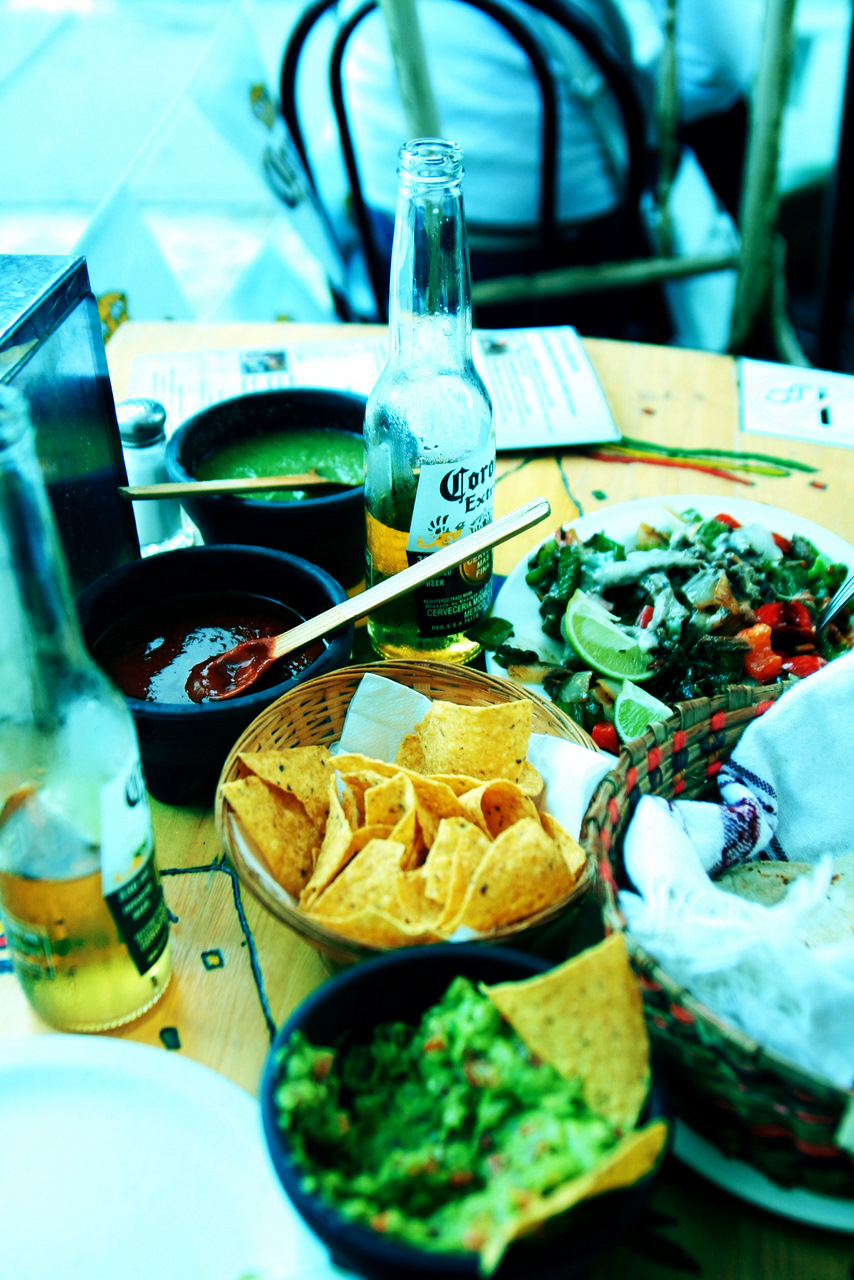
(130, 881)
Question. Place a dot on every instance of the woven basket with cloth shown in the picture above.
(751, 1102)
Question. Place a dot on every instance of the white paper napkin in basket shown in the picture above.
(786, 794)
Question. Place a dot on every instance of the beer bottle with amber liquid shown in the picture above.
(80, 898)
(429, 432)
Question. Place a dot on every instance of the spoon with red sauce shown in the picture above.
(228, 674)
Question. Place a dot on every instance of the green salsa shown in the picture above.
(337, 455)
(435, 1135)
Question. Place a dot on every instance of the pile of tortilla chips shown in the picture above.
(586, 1019)
(449, 836)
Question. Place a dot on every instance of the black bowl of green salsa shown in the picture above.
(389, 1155)
(289, 430)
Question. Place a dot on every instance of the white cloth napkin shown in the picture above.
(787, 786)
(786, 793)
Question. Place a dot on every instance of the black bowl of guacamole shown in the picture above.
(366, 1138)
(291, 430)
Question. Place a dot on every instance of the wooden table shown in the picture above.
(238, 972)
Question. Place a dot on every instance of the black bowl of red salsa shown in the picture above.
(288, 429)
(369, 1004)
(148, 622)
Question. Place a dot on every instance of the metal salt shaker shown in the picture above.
(142, 427)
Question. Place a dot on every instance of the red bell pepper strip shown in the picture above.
(761, 663)
(804, 664)
(790, 622)
(604, 735)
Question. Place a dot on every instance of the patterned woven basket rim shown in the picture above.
(729, 714)
(443, 677)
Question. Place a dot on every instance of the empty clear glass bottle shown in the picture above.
(429, 432)
(80, 897)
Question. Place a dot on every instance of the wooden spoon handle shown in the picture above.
(251, 484)
(399, 583)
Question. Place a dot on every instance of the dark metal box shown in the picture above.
(52, 349)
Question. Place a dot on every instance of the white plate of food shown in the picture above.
(120, 1159)
(518, 602)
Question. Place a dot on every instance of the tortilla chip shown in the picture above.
(495, 806)
(375, 928)
(414, 906)
(522, 872)
(280, 828)
(434, 800)
(452, 833)
(631, 1159)
(354, 762)
(364, 835)
(368, 880)
(486, 742)
(304, 771)
(530, 781)
(459, 783)
(585, 1017)
(357, 783)
(349, 805)
(471, 847)
(573, 854)
(390, 800)
(410, 754)
(335, 851)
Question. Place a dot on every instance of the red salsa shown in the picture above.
(150, 653)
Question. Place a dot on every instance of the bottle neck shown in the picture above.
(42, 644)
(430, 292)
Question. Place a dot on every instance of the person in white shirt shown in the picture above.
(489, 102)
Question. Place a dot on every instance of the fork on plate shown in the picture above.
(835, 603)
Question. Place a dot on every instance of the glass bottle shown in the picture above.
(80, 897)
(429, 432)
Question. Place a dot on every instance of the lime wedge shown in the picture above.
(599, 641)
(635, 710)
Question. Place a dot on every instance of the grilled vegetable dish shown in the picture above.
(683, 613)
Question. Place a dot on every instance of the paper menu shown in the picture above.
(801, 403)
(544, 390)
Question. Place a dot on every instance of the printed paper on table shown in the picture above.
(544, 390)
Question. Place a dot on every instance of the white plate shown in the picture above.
(518, 603)
(747, 1183)
(121, 1160)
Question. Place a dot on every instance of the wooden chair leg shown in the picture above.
(760, 286)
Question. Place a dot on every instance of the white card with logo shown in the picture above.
(802, 403)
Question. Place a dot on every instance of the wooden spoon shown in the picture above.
(233, 672)
(247, 484)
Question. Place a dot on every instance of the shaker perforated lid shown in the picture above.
(141, 422)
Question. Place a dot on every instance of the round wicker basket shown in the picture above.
(753, 1104)
(313, 714)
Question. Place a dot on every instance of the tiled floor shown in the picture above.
(120, 108)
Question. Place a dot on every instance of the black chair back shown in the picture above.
(616, 72)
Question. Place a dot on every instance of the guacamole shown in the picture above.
(335, 454)
(439, 1134)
